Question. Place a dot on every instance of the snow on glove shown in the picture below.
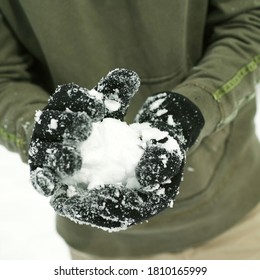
(114, 207)
(183, 121)
(54, 153)
(66, 121)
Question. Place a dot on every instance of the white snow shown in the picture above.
(155, 105)
(37, 116)
(53, 124)
(170, 121)
(71, 191)
(27, 226)
(110, 154)
(27, 222)
(112, 105)
(161, 112)
(112, 151)
(147, 133)
(96, 94)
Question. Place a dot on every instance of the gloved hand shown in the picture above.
(183, 121)
(67, 120)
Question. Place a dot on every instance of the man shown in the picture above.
(205, 51)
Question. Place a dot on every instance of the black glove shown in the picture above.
(183, 121)
(67, 120)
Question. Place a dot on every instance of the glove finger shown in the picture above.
(183, 118)
(118, 87)
(77, 99)
(63, 160)
(112, 207)
(58, 126)
(157, 165)
(44, 181)
(49, 163)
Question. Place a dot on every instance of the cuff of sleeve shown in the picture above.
(205, 102)
(19, 101)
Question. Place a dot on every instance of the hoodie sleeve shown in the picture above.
(20, 97)
(225, 78)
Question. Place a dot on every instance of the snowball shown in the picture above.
(112, 151)
(110, 155)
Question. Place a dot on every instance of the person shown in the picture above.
(205, 52)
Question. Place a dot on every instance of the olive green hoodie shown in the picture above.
(208, 51)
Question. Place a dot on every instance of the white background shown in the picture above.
(27, 221)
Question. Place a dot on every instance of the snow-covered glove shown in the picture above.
(182, 120)
(67, 120)
(63, 123)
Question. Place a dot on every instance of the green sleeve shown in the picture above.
(224, 79)
(20, 97)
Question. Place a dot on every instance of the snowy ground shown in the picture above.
(27, 222)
